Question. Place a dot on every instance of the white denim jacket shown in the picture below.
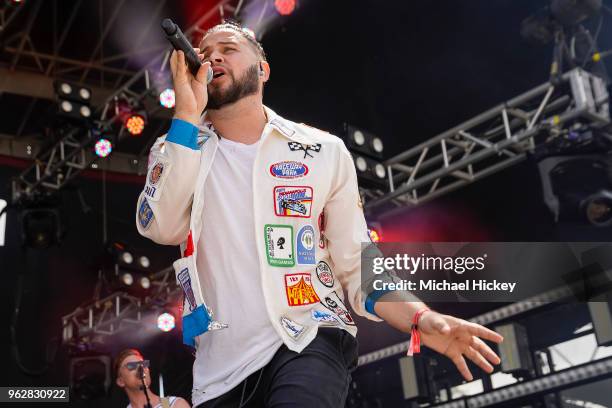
(309, 224)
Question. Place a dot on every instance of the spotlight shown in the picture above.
(132, 118)
(145, 282)
(167, 98)
(72, 92)
(135, 124)
(90, 377)
(370, 172)
(165, 322)
(598, 208)
(578, 188)
(284, 7)
(41, 227)
(103, 148)
(127, 258)
(144, 262)
(127, 279)
(364, 142)
(375, 231)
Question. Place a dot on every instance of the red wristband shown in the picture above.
(415, 336)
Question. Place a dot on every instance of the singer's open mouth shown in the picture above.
(218, 74)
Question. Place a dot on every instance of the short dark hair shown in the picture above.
(243, 31)
(122, 356)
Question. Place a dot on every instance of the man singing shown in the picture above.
(126, 368)
(269, 219)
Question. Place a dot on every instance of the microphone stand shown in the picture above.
(141, 374)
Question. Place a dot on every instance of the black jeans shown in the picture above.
(318, 377)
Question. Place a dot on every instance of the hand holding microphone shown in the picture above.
(189, 75)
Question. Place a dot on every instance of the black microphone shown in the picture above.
(179, 42)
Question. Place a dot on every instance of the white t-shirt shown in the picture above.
(171, 401)
(228, 267)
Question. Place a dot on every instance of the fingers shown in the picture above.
(462, 367)
(202, 75)
(481, 331)
(479, 360)
(485, 350)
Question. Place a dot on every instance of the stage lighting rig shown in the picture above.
(73, 100)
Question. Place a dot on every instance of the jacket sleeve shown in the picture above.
(346, 230)
(163, 207)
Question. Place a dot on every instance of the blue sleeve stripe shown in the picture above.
(372, 299)
(183, 133)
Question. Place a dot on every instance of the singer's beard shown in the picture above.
(246, 85)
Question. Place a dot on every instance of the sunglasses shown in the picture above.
(133, 365)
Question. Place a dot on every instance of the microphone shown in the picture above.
(179, 42)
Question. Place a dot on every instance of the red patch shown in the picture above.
(299, 289)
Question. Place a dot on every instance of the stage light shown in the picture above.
(358, 137)
(85, 94)
(127, 279)
(167, 98)
(284, 7)
(364, 142)
(145, 282)
(85, 111)
(41, 227)
(165, 322)
(598, 208)
(103, 148)
(144, 261)
(66, 106)
(135, 124)
(73, 92)
(127, 257)
(578, 188)
(90, 377)
(370, 172)
(375, 231)
(361, 164)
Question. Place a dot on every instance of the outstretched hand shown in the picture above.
(457, 338)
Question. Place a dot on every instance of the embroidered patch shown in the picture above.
(145, 214)
(306, 148)
(292, 201)
(185, 281)
(322, 239)
(279, 245)
(156, 179)
(293, 329)
(334, 303)
(282, 127)
(324, 317)
(298, 287)
(325, 275)
(155, 173)
(288, 170)
(305, 245)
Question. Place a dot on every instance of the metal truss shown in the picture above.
(68, 157)
(554, 382)
(119, 310)
(495, 139)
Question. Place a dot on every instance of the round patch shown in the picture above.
(288, 170)
(156, 173)
(324, 273)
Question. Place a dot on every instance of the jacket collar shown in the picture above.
(283, 126)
